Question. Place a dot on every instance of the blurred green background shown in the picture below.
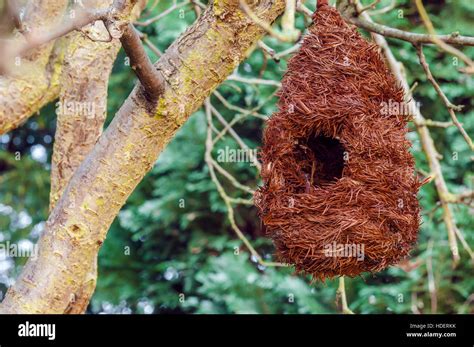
(163, 256)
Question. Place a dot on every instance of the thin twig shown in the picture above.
(436, 124)
(231, 178)
(341, 297)
(440, 43)
(451, 107)
(351, 14)
(36, 38)
(288, 51)
(300, 7)
(228, 126)
(162, 14)
(414, 303)
(230, 211)
(369, 6)
(237, 108)
(237, 78)
(288, 20)
(268, 50)
(431, 279)
(385, 9)
(236, 137)
(264, 25)
(153, 48)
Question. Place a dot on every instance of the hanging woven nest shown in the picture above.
(339, 189)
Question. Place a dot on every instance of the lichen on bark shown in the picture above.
(31, 82)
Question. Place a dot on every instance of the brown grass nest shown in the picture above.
(337, 173)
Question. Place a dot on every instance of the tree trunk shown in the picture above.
(81, 113)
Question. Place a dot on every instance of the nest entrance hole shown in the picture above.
(328, 162)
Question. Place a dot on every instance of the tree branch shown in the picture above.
(33, 81)
(264, 24)
(41, 36)
(150, 79)
(81, 117)
(351, 15)
(163, 14)
(440, 43)
(449, 105)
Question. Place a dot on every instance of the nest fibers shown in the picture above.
(339, 193)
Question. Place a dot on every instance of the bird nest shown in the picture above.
(339, 194)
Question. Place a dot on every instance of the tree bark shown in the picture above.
(193, 67)
(33, 83)
(82, 105)
(81, 113)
